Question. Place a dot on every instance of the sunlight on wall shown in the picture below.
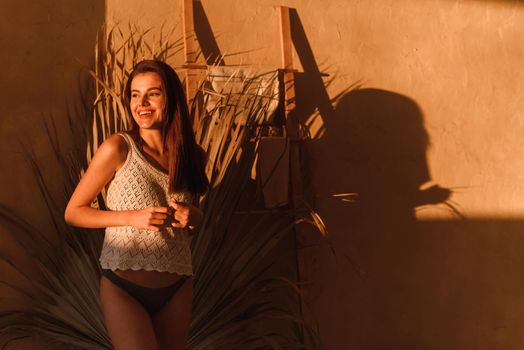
(459, 60)
(418, 106)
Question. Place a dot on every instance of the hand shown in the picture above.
(151, 218)
(186, 215)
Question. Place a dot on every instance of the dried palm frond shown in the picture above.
(116, 52)
(232, 252)
(60, 289)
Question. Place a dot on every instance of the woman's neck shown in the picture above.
(153, 140)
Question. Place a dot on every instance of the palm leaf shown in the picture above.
(63, 297)
(230, 263)
(232, 251)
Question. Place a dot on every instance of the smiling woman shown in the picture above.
(154, 174)
(147, 100)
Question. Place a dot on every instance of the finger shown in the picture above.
(180, 216)
(153, 228)
(177, 205)
(156, 222)
(159, 216)
(160, 209)
(182, 209)
(178, 225)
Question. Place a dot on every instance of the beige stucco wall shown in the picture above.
(46, 45)
(441, 102)
(46, 48)
(458, 60)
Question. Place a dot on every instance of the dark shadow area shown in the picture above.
(250, 218)
(205, 36)
(376, 147)
(375, 144)
(382, 142)
(450, 284)
(380, 133)
(376, 278)
(46, 48)
(309, 85)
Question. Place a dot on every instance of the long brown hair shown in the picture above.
(186, 158)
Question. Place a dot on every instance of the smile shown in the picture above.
(145, 113)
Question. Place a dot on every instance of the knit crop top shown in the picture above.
(138, 185)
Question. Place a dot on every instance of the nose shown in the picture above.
(144, 101)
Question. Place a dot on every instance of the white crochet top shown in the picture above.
(138, 185)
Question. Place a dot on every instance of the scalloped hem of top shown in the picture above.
(181, 272)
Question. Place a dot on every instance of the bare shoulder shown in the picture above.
(114, 149)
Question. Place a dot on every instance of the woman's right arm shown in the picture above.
(109, 157)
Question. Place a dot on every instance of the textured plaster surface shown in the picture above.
(439, 111)
(441, 102)
(45, 47)
(458, 60)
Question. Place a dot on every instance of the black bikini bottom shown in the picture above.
(152, 299)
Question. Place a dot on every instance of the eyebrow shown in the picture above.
(152, 88)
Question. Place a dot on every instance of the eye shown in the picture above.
(134, 95)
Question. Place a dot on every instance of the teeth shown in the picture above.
(144, 113)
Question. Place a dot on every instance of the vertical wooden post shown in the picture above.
(293, 132)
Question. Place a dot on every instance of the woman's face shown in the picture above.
(148, 100)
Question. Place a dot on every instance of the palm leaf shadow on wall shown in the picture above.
(232, 292)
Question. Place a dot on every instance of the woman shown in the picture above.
(154, 175)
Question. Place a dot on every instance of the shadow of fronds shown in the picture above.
(60, 289)
(231, 252)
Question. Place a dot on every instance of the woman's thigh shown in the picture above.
(172, 322)
(127, 322)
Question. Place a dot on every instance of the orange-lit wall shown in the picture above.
(430, 256)
(459, 61)
(437, 118)
(45, 45)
